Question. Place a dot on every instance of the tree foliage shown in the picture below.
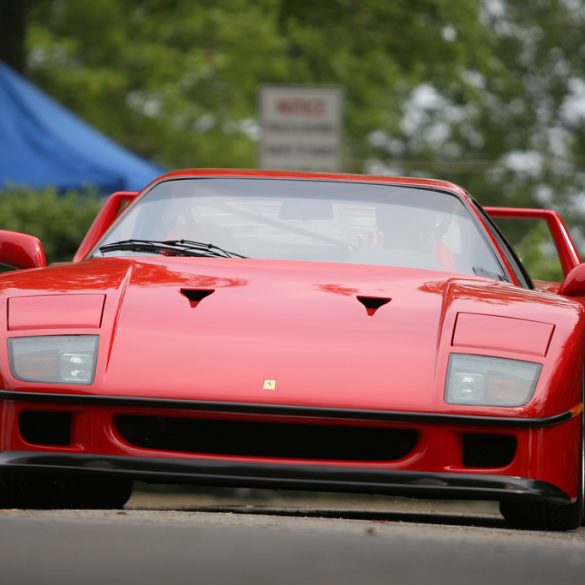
(512, 133)
(486, 92)
(177, 81)
(59, 221)
(12, 33)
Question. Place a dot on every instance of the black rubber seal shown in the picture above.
(306, 411)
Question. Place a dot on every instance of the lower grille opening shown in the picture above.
(45, 428)
(267, 439)
(488, 450)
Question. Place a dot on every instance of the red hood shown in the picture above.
(300, 324)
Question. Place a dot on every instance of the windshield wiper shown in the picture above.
(174, 247)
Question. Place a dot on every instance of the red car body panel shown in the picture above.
(147, 326)
(300, 343)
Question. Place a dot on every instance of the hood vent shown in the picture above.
(372, 304)
(196, 295)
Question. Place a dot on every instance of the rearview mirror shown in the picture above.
(21, 250)
(574, 283)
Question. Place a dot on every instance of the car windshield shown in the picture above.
(309, 220)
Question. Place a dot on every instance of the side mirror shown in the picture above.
(574, 283)
(21, 250)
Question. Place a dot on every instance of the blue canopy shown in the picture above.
(43, 144)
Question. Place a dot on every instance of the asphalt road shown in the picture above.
(259, 539)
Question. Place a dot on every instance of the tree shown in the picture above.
(12, 33)
(177, 81)
(486, 93)
(172, 80)
(513, 133)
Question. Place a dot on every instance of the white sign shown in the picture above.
(301, 128)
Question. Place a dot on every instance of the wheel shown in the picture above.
(537, 515)
(40, 492)
(546, 515)
(93, 492)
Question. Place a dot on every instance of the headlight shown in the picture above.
(490, 381)
(68, 359)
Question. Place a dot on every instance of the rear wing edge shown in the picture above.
(568, 253)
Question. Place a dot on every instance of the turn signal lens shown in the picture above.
(490, 381)
(68, 359)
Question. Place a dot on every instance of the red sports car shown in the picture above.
(294, 330)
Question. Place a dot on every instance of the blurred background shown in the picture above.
(489, 94)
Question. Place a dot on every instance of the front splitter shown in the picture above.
(286, 476)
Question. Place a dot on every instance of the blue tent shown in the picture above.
(43, 144)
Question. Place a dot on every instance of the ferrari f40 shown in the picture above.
(294, 330)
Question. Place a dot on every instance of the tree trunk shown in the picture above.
(12, 33)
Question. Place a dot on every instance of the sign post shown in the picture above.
(301, 127)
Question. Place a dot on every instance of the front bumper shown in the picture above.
(543, 465)
(286, 476)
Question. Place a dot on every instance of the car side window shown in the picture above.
(511, 256)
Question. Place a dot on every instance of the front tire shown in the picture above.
(538, 515)
(535, 515)
(63, 492)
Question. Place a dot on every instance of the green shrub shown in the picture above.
(59, 221)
